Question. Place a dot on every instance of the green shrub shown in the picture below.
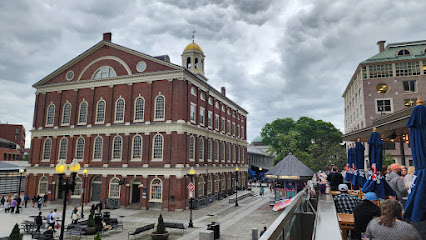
(15, 235)
(90, 220)
(161, 228)
(97, 237)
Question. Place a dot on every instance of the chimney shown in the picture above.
(223, 91)
(107, 36)
(381, 45)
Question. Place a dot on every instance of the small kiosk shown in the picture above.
(289, 176)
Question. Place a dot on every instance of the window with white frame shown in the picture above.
(105, 72)
(222, 152)
(407, 68)
(210, 100)
(381, 71)
(238, 130)
(119, 110)
(201, 148)
(63, 148)
(156, 189)
(79, 150)
(158, 147)
(139, 108)
(233, 129)
(42, 185)
(228, 151)
(78, 187)
(193, 92)
(223, 108)
(403, 52)
(229, 127)
(216, 184)
(216, 105)
(223, 125)
(410, 86)
(201, 116)
(137, 147)
(114, 188)
(47, 149)
(384, 105)
(50, 114)
(192, 114)
(117, 146)
(210, 119)
(216, 152)
(202, 97)
(200, 186)
(191, 147)
(229, 181)
(209, 184)
(234, 153)
(66, 115)
(100, 111)
(82, 116)
(216, 122)
(159, 108)
(97, 150)
(209, 150)
(242, 132)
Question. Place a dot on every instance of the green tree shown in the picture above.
(15, 235)
(161, 227)
(388, 160)
(315, 142)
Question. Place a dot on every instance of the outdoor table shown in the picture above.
(346, 222)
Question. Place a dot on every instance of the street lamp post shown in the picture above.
(21, 171)
(191, 174)
(65, 186)
(236, 186)
(84, 190)
(260, 183)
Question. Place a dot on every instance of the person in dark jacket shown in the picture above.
(34, 200)
(335, 178)
(364, 212)
(26, 199)
(38, 222)
(49, 233)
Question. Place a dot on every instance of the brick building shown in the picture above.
(383, 87)
(15, 134)
(139, 120)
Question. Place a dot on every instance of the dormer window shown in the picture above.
(403, 52)
(105, 72)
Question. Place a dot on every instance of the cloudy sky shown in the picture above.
(276, 58)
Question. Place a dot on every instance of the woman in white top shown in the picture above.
(409, 177)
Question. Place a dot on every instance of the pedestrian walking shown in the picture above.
(38, 221)
(2, 201)
(53, 217)
(34, 200)
(262, 191)
(45, 197)
(40, 202)
(26, 199)
(13, 205)
(18, 203)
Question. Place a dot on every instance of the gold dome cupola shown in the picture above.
(193, 58)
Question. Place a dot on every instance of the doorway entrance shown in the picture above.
(96, 189)
(135, 192)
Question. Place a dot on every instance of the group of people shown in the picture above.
(10, 204)
(40, 201)
(371, 221)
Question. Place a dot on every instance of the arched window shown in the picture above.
(82, 116)
(201, 149)
(139, 108)
(159, 108)
(202, 97)
(114, 188)
(188, 62)
(200, 186)
(209, 185)
(66, 113)
(119, 110)
(117, 146)
(47, 149)
(209, 149)
(78, 186)
(403, 52)
(216, 104)
(158, 147)
(156, 190)
(105, 72)
(100, 111)
(42, 185)
(50, 114)
(97, 150)
(196, 63)
(63, 146)
(191, 148)
(137, 147)
(79, 150)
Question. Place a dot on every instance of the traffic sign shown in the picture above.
(191, 187)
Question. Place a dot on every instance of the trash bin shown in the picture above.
(215, 227)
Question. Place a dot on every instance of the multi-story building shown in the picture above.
(384, 84)
(16, 134)
(138, 124)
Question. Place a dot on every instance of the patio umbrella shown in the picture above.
(376, 182)
(349, 174)
(359, 178)
(415, 209)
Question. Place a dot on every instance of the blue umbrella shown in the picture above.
(375, 181)
(359, 178)
(349, 174)
(415, 209)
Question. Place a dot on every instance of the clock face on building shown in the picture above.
(70, 75)
(141, 66)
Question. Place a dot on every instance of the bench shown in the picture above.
(115, 224)
(76, 230)
(41, 236)
(140, 230)
(175, 225)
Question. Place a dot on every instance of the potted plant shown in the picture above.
(15, 235)
(91, 226)
(160, 233)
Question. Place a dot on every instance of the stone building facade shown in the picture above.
(138, 124)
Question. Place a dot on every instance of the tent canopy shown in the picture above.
(290, 168)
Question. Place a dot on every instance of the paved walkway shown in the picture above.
(235, 222)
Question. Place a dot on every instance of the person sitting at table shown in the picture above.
(105, 226)
(335, 178)
(389, 226)
(345, 203)
(364, 212)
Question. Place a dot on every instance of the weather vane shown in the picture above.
(193, 35)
